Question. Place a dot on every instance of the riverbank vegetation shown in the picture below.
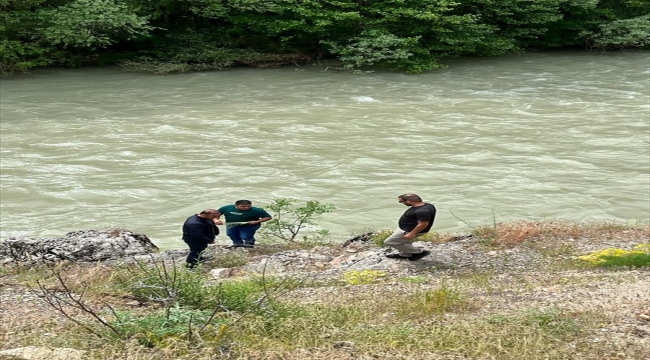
(572, 305)
(412, 35)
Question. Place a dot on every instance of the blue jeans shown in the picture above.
(242, 234)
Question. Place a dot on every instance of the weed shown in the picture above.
(380, 236)
(361, 277)
(551, 321)
(229, 260)
(639, 256)
(416, 279)
(155, 328)
(434, 302)
(512, 234)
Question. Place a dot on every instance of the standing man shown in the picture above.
(199, 230)
(416, 221)
(242, 221)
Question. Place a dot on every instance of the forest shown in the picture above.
(170, 36)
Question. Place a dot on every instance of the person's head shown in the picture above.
(208, 214)
(243, 204)
(409, 199)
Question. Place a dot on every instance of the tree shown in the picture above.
(91, 24)
(289, 219)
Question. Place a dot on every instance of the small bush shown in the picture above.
(171, 286)
(165, 284)
(157, 327)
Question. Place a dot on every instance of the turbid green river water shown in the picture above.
(549, 135)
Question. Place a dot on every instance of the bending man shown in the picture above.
(199, 230)
(242, 221)
(416, 221)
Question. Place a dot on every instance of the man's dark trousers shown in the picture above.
(196, 248)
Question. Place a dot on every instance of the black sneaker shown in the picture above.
(419, 256)
(397, 256)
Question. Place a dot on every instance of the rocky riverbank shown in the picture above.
(532, 287)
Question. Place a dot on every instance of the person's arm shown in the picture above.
(264, 216)
(216, 220)
(419, 227)
(264, 219)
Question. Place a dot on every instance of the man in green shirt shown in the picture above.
(242, 221)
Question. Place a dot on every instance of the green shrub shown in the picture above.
(620, 34)
(17, 57)
(153, 329)
(174, 286)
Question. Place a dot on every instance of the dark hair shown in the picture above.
(410, 197)
(243, 202)
(208, 212)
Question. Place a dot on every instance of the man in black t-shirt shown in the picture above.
(416, 221)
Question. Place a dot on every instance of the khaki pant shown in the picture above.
(404, 246)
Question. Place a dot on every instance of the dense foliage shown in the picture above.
(163, 36)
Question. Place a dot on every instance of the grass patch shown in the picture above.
(415, 279)
(512, 234)
(639, 256)
(434, 302)
(160, 327)
(229, 260)
(550, 321)
(530, 335)
(380, 236)
(361, 277)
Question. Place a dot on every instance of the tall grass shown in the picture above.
(512, 234)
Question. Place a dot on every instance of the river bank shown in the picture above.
(510, 291)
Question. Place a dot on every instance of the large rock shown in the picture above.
(76, 246)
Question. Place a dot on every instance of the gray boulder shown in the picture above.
(76, 246)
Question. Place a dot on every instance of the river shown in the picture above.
(538, 136)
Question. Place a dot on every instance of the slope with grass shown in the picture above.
(510, 291)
